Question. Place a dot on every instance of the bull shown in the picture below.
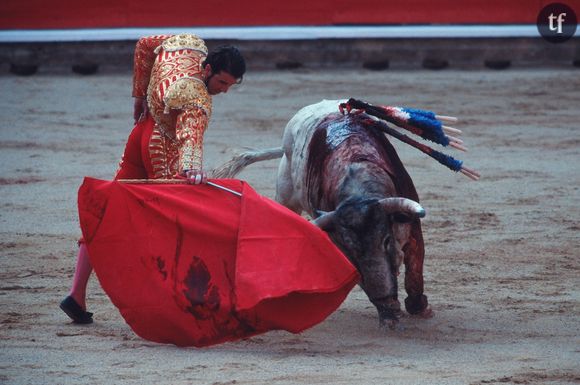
(346, 175)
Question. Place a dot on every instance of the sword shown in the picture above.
(174, 181)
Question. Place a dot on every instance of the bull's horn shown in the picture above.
(404, 205)
(325, 221)
(320, 213)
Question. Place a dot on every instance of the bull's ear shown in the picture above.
(325, 221)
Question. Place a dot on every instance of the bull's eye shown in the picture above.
(401, 218)
(386, 242)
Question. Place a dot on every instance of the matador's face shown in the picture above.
(220, 82)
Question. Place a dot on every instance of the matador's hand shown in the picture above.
(140, 109)
(196, 177)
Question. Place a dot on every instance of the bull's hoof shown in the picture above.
(389, 324)
(389, 317)
(389, 310)
(427, 313)
(416, 304)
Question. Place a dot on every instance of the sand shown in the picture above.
(502, 267)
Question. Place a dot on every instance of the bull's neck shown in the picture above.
(364, 179)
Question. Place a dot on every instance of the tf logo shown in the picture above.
(557, 22)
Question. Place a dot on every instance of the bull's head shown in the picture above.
(372, 234)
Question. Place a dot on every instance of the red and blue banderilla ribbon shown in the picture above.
(444, 159)
(420, 122)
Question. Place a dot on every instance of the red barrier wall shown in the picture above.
(64, 14)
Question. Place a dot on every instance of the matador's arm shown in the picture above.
(191, 125)
(143, 63)
(190, 98)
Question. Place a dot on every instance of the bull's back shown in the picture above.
(339, 145)
(300, 128)
(297, 136)
(319, 143)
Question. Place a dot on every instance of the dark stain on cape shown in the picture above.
(199, 291)
(160, 263)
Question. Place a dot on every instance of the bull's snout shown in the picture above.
(380, 283)
(389, 313)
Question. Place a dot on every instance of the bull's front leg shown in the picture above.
(416, 302)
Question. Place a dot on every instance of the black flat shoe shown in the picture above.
(75, 311)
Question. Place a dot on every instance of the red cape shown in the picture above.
(194, 265)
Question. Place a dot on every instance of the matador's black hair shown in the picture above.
(227, 58)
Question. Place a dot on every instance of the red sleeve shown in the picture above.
(143, 62)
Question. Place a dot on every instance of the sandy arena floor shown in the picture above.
(502, 268)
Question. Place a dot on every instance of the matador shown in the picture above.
(173, 83)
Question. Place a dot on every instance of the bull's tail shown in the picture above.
(235, 165)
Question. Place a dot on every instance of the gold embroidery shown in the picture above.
(187, 93)
(144, 58)
(178, 102)
(164, 153)
(191, 125)
(184, 41)
(176, 84)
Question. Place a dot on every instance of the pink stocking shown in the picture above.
(81, 278)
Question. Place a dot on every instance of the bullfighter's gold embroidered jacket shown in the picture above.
(168, 71)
